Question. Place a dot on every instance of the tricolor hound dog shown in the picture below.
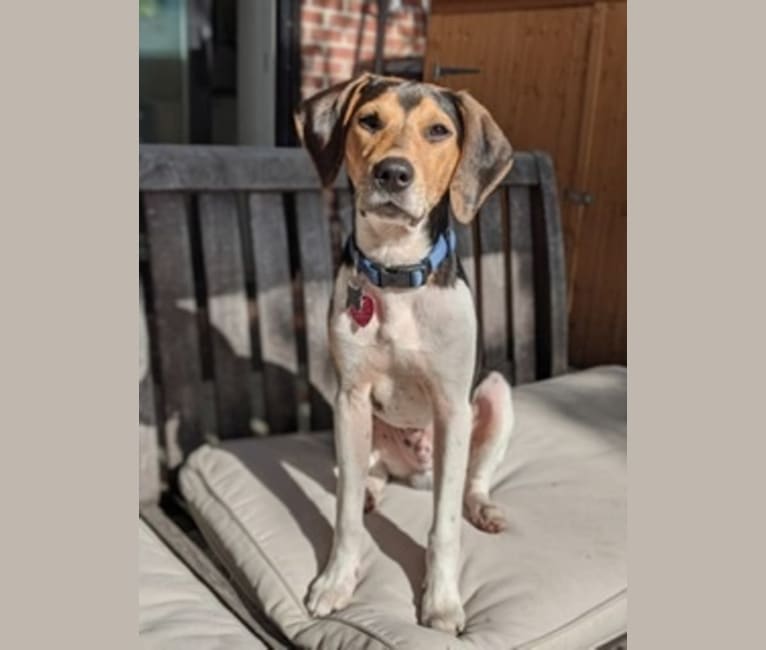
(402, 322)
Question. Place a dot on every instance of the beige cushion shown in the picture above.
(175, 610)
(555, 579)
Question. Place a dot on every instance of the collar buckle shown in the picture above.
(402, 277)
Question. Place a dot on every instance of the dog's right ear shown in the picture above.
(321, 122)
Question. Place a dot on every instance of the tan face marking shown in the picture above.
(403, 134)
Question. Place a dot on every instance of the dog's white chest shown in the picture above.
(412, 336)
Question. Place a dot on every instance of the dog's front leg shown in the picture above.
(441, 607)
(333, 588)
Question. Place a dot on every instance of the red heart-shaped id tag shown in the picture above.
(364, 313)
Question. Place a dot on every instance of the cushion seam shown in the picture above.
(351, 624)
(312, 621)
(222, 503)
(238, 576)
(528, 645)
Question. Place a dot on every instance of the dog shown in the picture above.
(402, 324)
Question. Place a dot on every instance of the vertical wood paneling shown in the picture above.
(227, 311)
(176, 317)
(494, 284)
(599, 285)
(522, 285)
(317, 275)
(553, 75)
(275, 310)
(532, 66)
(573, 212)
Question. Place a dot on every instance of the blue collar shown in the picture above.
(409, 276)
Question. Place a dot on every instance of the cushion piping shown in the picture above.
(240, 580)
(527, 645)
(355, 626)
(219, 500)
(559, 631)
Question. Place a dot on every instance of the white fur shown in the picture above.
(415, 359)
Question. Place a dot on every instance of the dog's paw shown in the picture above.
(485, 515)
(441, 609)
(330, 591)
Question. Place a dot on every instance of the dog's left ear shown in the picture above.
(486, 157)
(321, 121)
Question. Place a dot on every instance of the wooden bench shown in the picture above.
(238, 251)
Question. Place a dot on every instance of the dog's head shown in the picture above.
(405, 145)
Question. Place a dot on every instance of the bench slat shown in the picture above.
(268, 169)
(465, 251)
(228, 168)
(345, 212)
(494, 311)
(227, 311)
(149, 456)
(176, 316)
(317, 275)
(344, 202)
(275, 309)
(550, 272)
(522, 285)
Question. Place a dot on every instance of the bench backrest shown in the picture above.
(239, 247)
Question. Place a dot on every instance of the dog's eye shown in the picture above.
(437, 132)
(371, 122)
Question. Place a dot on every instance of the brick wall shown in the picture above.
(338, 38)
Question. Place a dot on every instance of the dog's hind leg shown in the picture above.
(493, 422)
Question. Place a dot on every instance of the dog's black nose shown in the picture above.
(393, 174)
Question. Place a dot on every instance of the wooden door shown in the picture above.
(597, 232)
(549, 72)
